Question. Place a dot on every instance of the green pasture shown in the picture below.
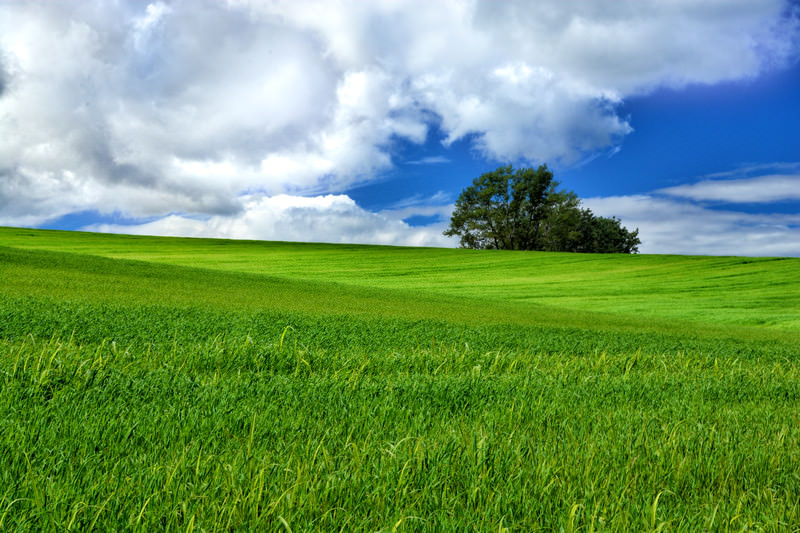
(209, 385)
(711, 290)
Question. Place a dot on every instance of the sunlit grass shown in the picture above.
(143, 394)
(719, 290)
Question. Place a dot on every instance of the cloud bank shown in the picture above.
(707, 218)
(668, 221)
(214, 110)
(329, 218)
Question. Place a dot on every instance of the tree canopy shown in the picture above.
(522, 209)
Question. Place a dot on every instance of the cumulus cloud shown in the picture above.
(328, 218)
(186, 107)
(3, 76)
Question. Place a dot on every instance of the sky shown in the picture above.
(361, 121)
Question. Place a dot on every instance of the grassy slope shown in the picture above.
(710, 290)
(404, 388)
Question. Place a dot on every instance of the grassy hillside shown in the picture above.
(711, 290)
(185, 384)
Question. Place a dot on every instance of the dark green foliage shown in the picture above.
(594, 234)
(522, 209)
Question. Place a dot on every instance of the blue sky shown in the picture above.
(362, 121)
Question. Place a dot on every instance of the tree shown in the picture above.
(522, 209)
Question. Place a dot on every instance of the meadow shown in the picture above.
(210, 385)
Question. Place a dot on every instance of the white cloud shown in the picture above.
(329, 218)
(762, 189)
(182, 107)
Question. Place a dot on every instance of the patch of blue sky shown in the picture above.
(416, 221)
(80, 219)
(681, 136)
(423, 171)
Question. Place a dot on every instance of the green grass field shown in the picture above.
(158, 384)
